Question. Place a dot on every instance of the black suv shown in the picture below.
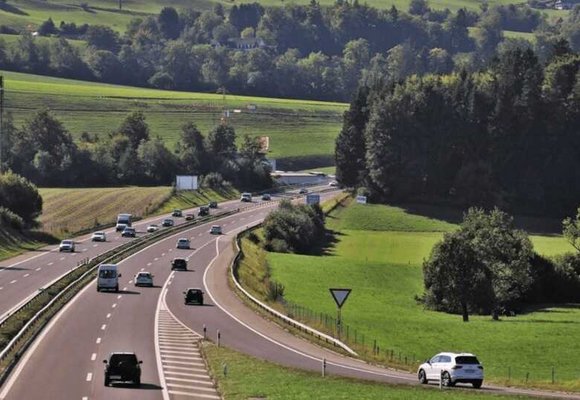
(203, 210)
(179, 263)
(123, 367)
(212, 204)
(194, 296)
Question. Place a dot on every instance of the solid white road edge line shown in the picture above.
(275, 341)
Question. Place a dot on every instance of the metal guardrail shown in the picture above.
(22, 339)
(292, 322)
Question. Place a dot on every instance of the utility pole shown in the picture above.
(1, 117)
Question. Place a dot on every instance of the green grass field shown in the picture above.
(379, 254)
(250, 378)
(298, 130)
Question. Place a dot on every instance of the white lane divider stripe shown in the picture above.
(38, 269)
(98, 340)
(26, 275)
(89, 376)
(103, 327)
(93, 356)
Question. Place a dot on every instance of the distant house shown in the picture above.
(563, 5)
(240, 44)
(247, 44)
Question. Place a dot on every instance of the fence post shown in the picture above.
(323, 367)
(553, 376)
(219, 336)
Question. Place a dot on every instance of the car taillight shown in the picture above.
(456, 367)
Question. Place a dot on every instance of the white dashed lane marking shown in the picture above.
(26, 275)
(103, 327)
(38, 269)
(50, 263)
(93, 356)
(98, 340)
(14, 281)
(89, 376)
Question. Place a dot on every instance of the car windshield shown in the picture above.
(144, 275)
(116, 359)
(466, 360)
(69, 242)
(107, 273)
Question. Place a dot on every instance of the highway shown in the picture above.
(22, 276)
(66, 361)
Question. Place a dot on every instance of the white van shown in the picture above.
(246, 197)
(108, 277)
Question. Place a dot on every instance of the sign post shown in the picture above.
(339, 296)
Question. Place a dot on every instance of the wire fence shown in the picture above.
(375, 349)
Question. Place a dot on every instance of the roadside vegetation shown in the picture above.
(382, 263)
(250, 378)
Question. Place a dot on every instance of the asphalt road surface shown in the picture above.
(66, 361)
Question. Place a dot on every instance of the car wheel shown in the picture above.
(117, 288)
(107, 382)
(446, 378)
(422, 377)
(98, 289)
(138, 382)
(477, 384)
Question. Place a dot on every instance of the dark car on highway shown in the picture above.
(123, 367)
(179, 263)
(129, 232)
(194, 296)
(212, 204)
(203, 210)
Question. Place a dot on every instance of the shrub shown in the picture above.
(10, 219)
(214, 180)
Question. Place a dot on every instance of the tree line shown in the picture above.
(489, 267)
(300, 51)
(43, 151)
(505, 136)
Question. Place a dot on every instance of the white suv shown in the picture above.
(452, 368)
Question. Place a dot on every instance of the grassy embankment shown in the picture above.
(378, 253)
(249, 378)
(300, 130)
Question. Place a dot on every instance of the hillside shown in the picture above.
(301, 133)
(31, 13)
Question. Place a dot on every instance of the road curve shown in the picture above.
(66, 361)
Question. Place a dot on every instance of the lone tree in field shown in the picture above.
(455, 278)
(484, 267)
(571, 230)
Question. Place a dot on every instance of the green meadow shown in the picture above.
(301, 132)
(379, 252)
(250, 378)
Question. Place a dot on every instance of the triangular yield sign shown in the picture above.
(339, 296)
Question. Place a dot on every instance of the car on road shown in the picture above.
(144, 278)
(99, 237)
(266, 197)
(452, 368)
(123, 367)
(67, 245)
(129, 232)
(183, 243)
(189, 217)
(177, 213)
(167, 222)
(333, 183)
(246, 197)
(203, 211)
(179, 263)
(303, 191)
(215, 230)
(193, 296)
(213, 204)
(152, 228)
